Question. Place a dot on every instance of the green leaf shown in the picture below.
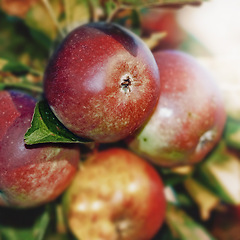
(18, 45)
(12, 66)
(46, 128)
(10, 233)
(41, 38)
(40, 227)
(232, 133)
(183, 226)
(110, 5)
(23, 224)
(220, 173)
(15, 75)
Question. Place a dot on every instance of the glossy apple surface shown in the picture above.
(189, 118)
(115, 195)
(29, 176)
(102, 82)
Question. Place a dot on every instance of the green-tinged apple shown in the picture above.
(102, 82)
(115, 195)
(29, 176)
(189, 118)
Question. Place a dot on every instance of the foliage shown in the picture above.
(46, 128)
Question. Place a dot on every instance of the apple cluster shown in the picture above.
(105, 85)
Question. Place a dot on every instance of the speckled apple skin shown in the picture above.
(84, 82)
(115, 195)
(189, 118)
(29, 176)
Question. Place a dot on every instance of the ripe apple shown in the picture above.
(102, 83)
(115, 195)
(189, 118)
(29, 176)
(163, 20)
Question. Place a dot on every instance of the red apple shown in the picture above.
(163, 20)
(115, 195)
(189, 118)
(29, 176)
(102, 82)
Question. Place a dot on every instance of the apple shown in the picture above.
(163, 20)
(30, 175)
(102, 82)
(115, 195)
(189, 118)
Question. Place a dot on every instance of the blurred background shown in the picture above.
(216, 25)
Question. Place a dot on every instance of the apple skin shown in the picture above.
(30, 176)
(163, 20)
(189, 118)
(102, 83)
(115, 195)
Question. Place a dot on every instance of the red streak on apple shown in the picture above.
(30, 175)
(102, 83)
(115, 195)
(36, 183)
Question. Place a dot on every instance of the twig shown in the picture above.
(23, 86)
(113, 14)
(52, 15)
(93, 12)
(67, 13)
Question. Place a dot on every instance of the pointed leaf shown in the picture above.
(47, 128)
(40, 227)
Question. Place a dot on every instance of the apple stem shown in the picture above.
(53, 17)
(119, 7)
(114, 13)
(93, 12)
